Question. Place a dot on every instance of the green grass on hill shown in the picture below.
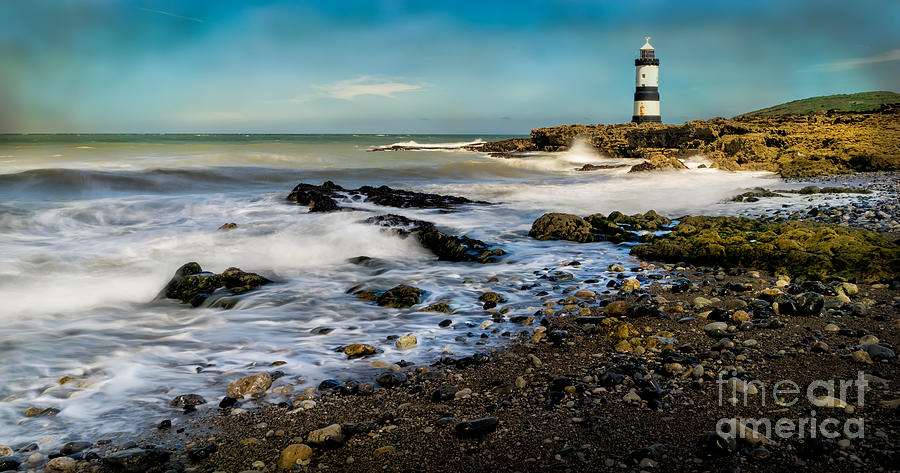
(859, 102)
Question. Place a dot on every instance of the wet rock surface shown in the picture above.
(329, 196)
(616, 227)
(191, 285)
(446, 247)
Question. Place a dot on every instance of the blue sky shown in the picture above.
(422, 66)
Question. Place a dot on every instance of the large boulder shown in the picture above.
(558, 226)
(191, 285)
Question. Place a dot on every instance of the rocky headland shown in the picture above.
(793, 145)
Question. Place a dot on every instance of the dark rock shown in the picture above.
(738, 287)
(137, 460)
(680, 285)
(239, 282)
(445, 323)
(445, 247)
(227, 402)
(878, 352)
(713, 443)
(185, 400)
(400, 297)
(809, 304)
(191, 285)
(317, 198)
(330, 385)
(476, 427)
(10, 462)
(324, 198)
(165, 424)
(389, 379)
(444, 393)
(198, 454)
(70, 448)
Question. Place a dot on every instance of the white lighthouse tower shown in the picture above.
(646, 81)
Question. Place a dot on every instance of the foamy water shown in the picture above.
(91, 230)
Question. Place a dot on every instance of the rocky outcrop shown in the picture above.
(446, 247)
(658, 161)
(616, 227)
(791, 145)
(325, 198)
(191, 285)
(795, 248)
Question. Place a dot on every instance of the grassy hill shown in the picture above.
(860, 102)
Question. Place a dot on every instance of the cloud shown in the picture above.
(364, 85)
(892, 55)
(198, 20)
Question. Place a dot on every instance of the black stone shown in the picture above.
(227, 402)
(476, 427)
(137, 460)
(444, 393)
(70, 448)
(10, 462)
(389, 379)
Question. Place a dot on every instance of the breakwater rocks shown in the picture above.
(191, 285)
(326, 198)
(791, 145)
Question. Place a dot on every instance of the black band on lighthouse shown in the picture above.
(646, 62)
(646, 93)
(646, 119)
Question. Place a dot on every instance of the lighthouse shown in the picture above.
(646, 82)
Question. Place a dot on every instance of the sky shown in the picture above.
(168, 66)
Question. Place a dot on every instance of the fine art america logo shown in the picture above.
(832, 395)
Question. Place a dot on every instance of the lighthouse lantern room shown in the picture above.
(646, 93)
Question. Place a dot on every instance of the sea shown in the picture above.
(93, 226)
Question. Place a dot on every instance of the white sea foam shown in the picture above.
(83, 256)
(412, 144)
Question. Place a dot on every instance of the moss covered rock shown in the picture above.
(617, 227)
(796, 248)
(191, 285)
(557, 226)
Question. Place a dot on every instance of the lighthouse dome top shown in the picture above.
(646, 45)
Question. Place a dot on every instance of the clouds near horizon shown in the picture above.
(418, 66)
